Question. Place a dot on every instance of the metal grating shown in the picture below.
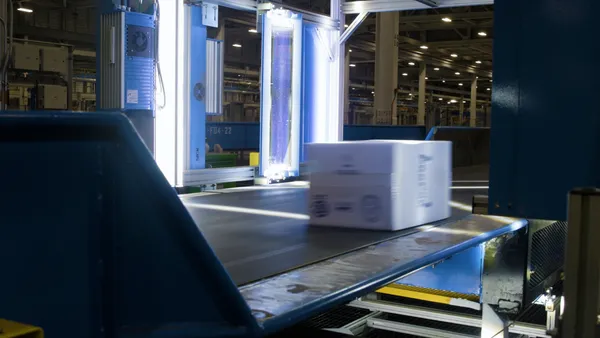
(336, 318)
(547, 252)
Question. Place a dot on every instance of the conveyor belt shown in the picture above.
(260, 232)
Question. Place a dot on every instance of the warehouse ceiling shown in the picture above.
(453, 37)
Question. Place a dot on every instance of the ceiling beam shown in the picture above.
(373, 6)
(428, 59)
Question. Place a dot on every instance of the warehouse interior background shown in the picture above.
(444, 55)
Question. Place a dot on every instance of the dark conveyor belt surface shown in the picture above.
(260, 232)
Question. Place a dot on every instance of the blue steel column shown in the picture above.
(197, 78)
(544, 136)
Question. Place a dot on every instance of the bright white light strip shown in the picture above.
(183, 89)
(352, 65)
(482, 34)
(165, 120)
(436, 69)
(424, 47)
(25, 10)
(446, 19)
(237, 45)
(250, 211)
(252, 30)
(454, 55)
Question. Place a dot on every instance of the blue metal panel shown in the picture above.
(107, 235)
(460, 273)
(197, 76)
(310, 75)
(139, 61)
(233, 135)
(357, 273)
(366, 132)
(545, 138)
(245, 135)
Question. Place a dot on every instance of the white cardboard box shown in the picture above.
(380, 185)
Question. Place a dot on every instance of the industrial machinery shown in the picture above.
(127, 66)
(97, 242)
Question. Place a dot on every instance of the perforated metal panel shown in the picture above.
(547, 252)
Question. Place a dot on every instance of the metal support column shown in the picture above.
(422, 87)
(347, 86)
(70, 78)
(473, 106)
(386, 67)
(221, 36)
(4, 47)
(461, 110)
(338, 16)
(582, 277)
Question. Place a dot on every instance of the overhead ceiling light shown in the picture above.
(449, 102)
(464, 101)
(446, 19)
(460, 84)
(252, 30)
(478, 62)
(436, 69)
(490, 80)
(424, 47)
(349, 50)
(488, 89)
(440, 99)
(352, 65)
(346, 25)
(457, 73)
(443, 81)
(409, 94)
(372, 92)
(426, 78)
(353, 88)
(453, 101)
(411, 63)
(454, 55)
(25, 10)
(482, 33)
(237, 45)
(404, 74)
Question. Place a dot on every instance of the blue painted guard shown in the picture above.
(245, 135)
(95, 243)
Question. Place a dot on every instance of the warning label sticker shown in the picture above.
(132, 96)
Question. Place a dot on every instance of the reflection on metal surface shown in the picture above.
(251, 211)
(335, 280)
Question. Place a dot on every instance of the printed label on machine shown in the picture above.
(132, 96)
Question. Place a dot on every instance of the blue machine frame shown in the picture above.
(143, 267)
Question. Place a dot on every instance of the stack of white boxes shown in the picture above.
(379, 185)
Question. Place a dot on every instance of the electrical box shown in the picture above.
(52, 97)
(127, 61)
(55, 60)
(26, 57)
